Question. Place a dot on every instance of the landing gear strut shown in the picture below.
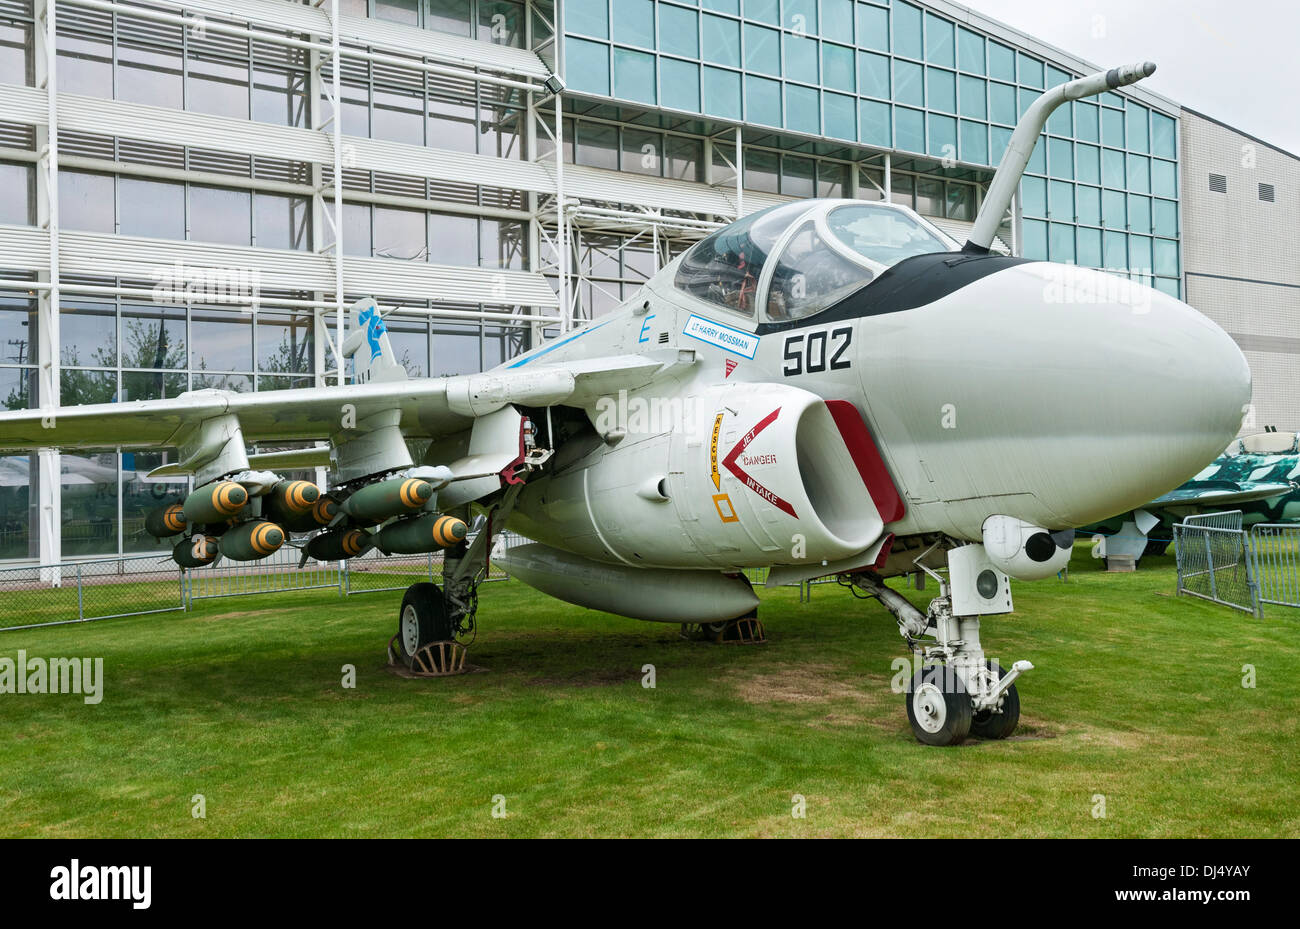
(956, 691)
(431, 615)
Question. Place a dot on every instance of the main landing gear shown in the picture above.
(436, 625)
(956, 691)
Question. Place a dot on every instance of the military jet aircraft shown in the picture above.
(1257, 474)
(825, 387)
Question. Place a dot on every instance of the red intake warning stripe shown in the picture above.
(730, 464)
(871, 467)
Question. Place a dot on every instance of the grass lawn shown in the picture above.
(1137, 696)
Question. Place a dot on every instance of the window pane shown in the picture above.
(683, 157)
(801, 59)
(88, 489)
(943, 136)
(451, 16)
(400, 234)
(970, 51)
(907, 30)
(873, 75)
(217, 87)
(873, 28)
(762, 101)
(597, 145)
(588, 17)
(634, 22)
(802, 109)
(941, 90)
(222, 341)
(153, 337)
(453, 240)
(634, 75)
(722, 93)
(797, 176)
(762, 50)
(280, 221)
(910, 129)
(837, 67)
(88, 333)
(873, 124)
(679, 31)
(642, 152)
(721, 40)
(17, 184)
(761, 171)
(908, 86)
(86, 201)
(284, 343)
(218, 214)
(586, 66)
(972, 97)
(679, 84)
(152, 208)
(939, 41)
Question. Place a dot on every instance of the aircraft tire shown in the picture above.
(989, 725)
(422, 619)
(938, 706)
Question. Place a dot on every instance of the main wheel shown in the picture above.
(423, 619)
(938, 706)
(990, 724)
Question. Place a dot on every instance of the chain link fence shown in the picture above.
(81, 591)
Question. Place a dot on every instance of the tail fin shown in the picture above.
(368, 345)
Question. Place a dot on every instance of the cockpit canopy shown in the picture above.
(799, 258)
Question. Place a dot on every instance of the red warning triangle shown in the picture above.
(730, 366)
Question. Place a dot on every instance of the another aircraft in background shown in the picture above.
(1258, 474)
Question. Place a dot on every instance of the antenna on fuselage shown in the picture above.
(1030, 127)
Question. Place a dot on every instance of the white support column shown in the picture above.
(338, 183)
(740, 177)
(561, 222)
(49, 487)
(889, 178)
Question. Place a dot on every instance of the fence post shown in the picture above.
(1209, 563)
(81, 607)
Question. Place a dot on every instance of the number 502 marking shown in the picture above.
(807, 353)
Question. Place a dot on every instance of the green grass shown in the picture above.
(1137, 696)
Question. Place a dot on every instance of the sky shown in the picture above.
(1237, 61)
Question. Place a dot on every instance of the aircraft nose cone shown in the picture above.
(1162, 388)
(1070, 395)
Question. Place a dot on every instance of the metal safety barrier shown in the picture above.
(1275, 554)
(81, 591)
(1215, 564)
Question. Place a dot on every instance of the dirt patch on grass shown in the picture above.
(803, 684)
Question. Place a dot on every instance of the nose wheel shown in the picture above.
(938, 706)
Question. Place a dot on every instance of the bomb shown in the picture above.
(252, 540)
(290, 499)
(195, 551)
(429, 533)
(377, 502)
(165, 521)
(319, 514)
(338, 544)
(215, 503)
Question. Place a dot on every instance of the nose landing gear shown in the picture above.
(956, 691)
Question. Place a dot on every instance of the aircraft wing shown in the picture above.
(1218, 494)
(428, 407)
